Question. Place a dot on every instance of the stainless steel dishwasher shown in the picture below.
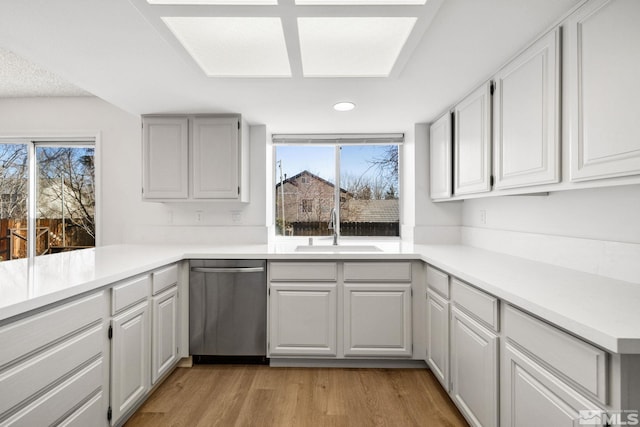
(228, 311)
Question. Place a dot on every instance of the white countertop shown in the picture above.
(601, 310)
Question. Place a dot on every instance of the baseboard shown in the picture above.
(346, 363)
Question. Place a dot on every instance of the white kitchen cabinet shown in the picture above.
(526, 117)
(164, 335)
(472, 143)
(54, 361)
(474, 370)
(377, 319)
(165, 148)
(438, 337)
(440, 162)
(603, 70)
(303, 319)
(215, 157)
(130, 359)
(195, 158)
(532, 396)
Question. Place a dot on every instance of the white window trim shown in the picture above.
(280, 140)
(33, 139)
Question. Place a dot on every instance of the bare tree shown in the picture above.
(67, 185)
(13, 181)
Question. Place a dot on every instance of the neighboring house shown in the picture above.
(308, 200)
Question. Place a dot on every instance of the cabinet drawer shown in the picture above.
(38, 372)
(129, 293)
(165, 278)
(377, 272)
(303, 271)
(54, 404)
(88, 415)
(477, 303)
(572, 358)
(438, 281)
(50, 407)
(30, 334)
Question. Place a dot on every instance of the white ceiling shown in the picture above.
(121, 51)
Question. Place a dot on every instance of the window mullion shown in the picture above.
(336, 194)
(31, 201)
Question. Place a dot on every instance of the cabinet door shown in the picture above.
(526, 131)
(603, 70)
(164, 339)
(377, 320)
(302, 319)
(474, 370)
(531, 396)
(472, 143)
(215, 158)
(438, 337)
(130, 368)
(165, 143)
(440, 161)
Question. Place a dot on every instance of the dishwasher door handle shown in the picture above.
(227, 269)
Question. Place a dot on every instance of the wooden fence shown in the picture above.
(49, 237)
(347, 229)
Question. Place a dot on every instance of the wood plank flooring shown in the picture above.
(233, 395)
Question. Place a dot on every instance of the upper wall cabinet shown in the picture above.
(603, 71)
(526, 125)
(440, 177)
(215, 158)
(165, 148)
(194, 158)
(472, 143)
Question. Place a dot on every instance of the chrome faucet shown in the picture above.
(333, 225)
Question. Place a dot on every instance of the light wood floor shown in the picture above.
(228, 395)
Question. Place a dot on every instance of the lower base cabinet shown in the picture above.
(164, 335)
(532, 396)
(130, 361)
(303, 319)
(474, 370)
(377, 320)
(438, 337)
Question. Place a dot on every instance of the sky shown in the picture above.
(320, 160)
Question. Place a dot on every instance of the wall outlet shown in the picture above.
(198, 216)
(483, 217)
(236, 216)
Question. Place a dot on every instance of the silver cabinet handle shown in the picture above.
(227, 269)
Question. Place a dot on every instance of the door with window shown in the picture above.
(47, 197)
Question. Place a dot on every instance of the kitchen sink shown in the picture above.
(338, 249)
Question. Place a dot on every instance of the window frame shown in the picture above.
(54, 139)
(338, 199)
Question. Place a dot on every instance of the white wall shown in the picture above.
(594, 230)
(124, 217)
(435, 223)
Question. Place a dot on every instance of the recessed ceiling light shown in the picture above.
(234, 47)
(352, 47)
(361, 2)
(215, 2)
(344, 106)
